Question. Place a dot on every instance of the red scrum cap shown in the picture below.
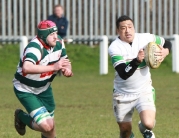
(45, 28)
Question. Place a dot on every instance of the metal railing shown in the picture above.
(90, 18)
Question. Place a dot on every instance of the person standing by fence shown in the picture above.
(60, 20)
(43, 57)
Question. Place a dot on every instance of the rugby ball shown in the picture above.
(150, 58)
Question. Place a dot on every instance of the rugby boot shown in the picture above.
(19, 125)
(148, 134)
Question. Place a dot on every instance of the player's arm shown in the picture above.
(31, 58)
(165, 50)
(67, 70)
(31, 68)
(126, 70)
(167, 45)
(163, 43)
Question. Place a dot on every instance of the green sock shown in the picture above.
(132, 135)
(42, 136)
(26, 119)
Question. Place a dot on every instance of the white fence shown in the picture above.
(103, 68)
(89, 19)
(175, 54)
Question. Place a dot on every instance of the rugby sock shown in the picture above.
(25, 118)
(42, 136)
(142, 128)
(132, 135)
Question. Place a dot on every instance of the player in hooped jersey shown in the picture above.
(43, 57)
(132, 82)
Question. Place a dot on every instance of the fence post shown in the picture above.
(104, 55)
(175, 54)
(23, 44)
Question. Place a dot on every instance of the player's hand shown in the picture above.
(162, 53)
(67, 72)
(61, 64)
(140, 55)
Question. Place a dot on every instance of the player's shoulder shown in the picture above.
(143, 35)
(34, 43)
(144, 38)
(116, 46)
(116, 43)
(59, 43)
(59, 40)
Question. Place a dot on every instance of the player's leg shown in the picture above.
(43, 122)
(147, 112)
(40, 108)
(123, 112)
(147, 123)
(125, 130)
(48, 102)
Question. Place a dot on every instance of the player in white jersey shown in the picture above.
(132, 82)
(43, 57)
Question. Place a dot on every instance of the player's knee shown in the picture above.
(149, 124)
(43, 119)
(47, 126)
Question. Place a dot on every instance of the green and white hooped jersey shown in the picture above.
(38, 55)
(122, 52)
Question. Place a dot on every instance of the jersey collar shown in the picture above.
(44, 45)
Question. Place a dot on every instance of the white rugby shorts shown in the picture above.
(124, 104)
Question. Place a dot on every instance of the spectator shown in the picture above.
(60, 20)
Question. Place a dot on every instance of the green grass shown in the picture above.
(83, 102)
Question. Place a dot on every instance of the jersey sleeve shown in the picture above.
(64, 53)
(157, 39)
(32, 53)
(116, 55)
(61, 45)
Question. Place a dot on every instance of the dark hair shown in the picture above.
(123, 18)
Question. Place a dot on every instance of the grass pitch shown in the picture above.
(84, 102)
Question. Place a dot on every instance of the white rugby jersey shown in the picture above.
(40, 55)
(122, 52)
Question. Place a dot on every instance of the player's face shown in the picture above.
(52, 38)
(126, 31)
